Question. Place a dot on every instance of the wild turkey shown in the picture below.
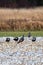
(29, 34)
(33, 39)
(15, 39)
(21, 39)
(7, 39)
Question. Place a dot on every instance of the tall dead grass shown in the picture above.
(21, 19)
(20, 25)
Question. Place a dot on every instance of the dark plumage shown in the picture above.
(29, 34)
(7, 39)
(21, 39)
(15, 39)
(33, 39)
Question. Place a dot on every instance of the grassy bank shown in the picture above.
(34, 33)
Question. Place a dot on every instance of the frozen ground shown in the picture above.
(25, 53)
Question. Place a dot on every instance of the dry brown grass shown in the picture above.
(21, 19)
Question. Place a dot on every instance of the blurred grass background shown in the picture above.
(21, 19)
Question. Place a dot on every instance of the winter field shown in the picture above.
(15, 23)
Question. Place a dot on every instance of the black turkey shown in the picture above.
(33, 39)
(15, 39)
(7, 39)
(21, 39)
(29, 34)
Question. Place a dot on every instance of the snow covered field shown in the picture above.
(25, 53)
